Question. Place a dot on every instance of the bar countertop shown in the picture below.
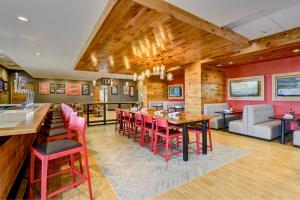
(27, 122)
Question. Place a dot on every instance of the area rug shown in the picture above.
(135, 173)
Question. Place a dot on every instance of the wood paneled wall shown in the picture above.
(192, 79)
(213, 85)
(155, 89)
(13, 153)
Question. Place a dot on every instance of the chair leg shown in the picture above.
(31, 180)
(44, 179)
(71, 163)
(87, 171)
(134, 133)
(155, 144)
(210, 141)
(152, 141)
(167, 149)
(198, 143)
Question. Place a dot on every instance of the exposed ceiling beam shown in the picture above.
(262, 47)
(173, 11)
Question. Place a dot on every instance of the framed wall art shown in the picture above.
(60, 88)
(73, 89)
(44, 88)
(85, 89)
(114, 90)
(52, 88)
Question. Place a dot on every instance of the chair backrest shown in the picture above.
(259, 113)
(210, 109)
(78, 124)
(138, 117)
(162, 124)
(118, 113)
(127, 114)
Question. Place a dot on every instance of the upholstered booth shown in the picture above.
(296, 138)
(217, 120)
(256, 122)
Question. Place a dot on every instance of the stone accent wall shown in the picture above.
(192, 77)
(213, 88)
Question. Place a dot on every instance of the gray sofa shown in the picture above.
(296, 138)
(256, 122)
(217, 120)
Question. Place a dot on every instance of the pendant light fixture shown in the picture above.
(94, 81)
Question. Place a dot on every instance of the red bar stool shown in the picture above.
(138, 124)
(147, 136)
(164, 131)
(47, 152)
(128, 122)
(197, 130)
(47, 135)
(119, 120)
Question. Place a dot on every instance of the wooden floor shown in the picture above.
(270, 171)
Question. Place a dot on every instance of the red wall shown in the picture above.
(177, 79)
(266, 69)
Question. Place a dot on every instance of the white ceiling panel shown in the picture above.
(224, 12)
(289, 17)
(260, 27)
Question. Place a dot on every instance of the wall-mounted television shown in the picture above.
(288, 86)
(175, 91)
(244, 88)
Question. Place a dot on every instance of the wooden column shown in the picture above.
(155, 90)
(213, 87)
(192, 78)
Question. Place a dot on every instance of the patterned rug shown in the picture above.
(135, 173)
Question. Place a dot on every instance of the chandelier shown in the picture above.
(158, 70)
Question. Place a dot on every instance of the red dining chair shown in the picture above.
(197, 130)
(128, 122)
(138, 125)
(119, 120)
(147, 136)
(164, 131)
(47, 152)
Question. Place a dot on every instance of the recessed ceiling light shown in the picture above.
(37, 54)
(230, 63)
(22, 19)
(260, 57)
(296, 50)
(219, 65)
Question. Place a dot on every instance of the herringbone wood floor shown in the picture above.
(271, 171)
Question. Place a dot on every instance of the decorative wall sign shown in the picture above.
(44, 88)
(114, 90)
(5, 86)
(73, 89)
(52, 88)
(85, 89)
(126, 88)
(286, 87)
(106, 81)
(60, 88)
(131, 91)
(1, 84)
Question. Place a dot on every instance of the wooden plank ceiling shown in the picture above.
(136, 35)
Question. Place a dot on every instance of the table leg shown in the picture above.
(282, 139)
(185, 142)
(224, 123)
(88, 115)
(204, 137)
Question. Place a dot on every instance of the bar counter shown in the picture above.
(15, 142)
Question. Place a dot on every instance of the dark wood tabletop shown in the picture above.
(280, 117)
(229, 113)
(181, 118)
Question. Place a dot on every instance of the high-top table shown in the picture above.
(17, 134)
(183, 119)
(283, 123)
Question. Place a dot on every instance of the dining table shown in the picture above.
(183, 120)
(284, 120)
